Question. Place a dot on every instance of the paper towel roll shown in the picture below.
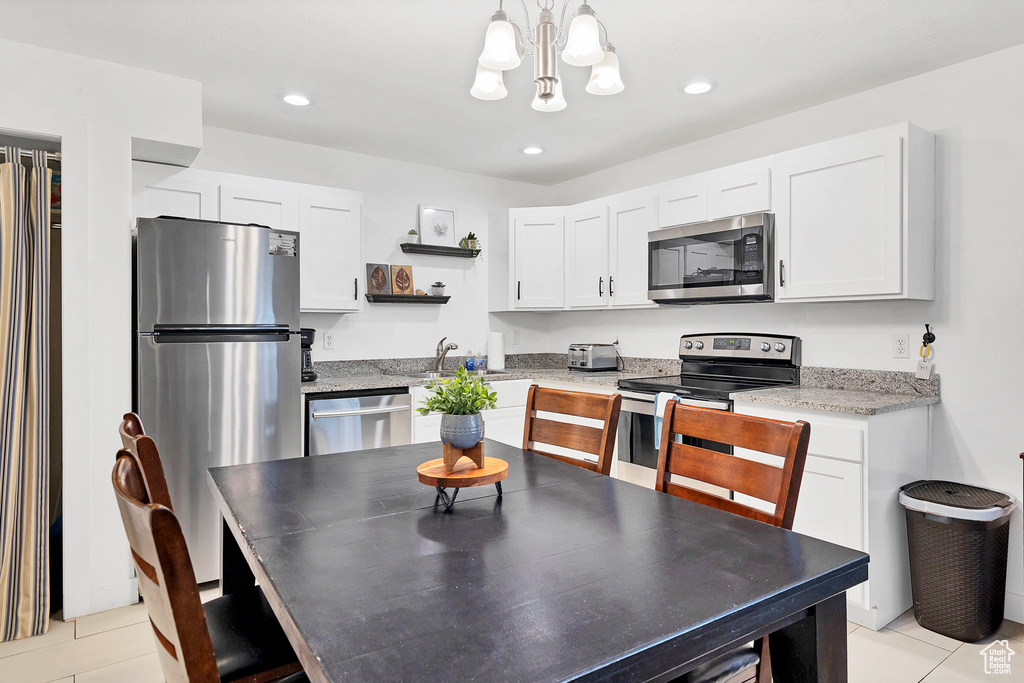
(496, 351)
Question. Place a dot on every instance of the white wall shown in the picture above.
(97, 110)
(974, 109)
(392, 191)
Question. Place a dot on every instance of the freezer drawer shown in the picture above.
(210, 404)
(353, 423)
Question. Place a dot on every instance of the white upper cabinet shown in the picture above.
(629, 221)
(683, 201)
(740, 189)
(538, 251)
(328, 219)
(331, 240)
(278, 209)
(854, 218)
(586, 251)
(160, 190)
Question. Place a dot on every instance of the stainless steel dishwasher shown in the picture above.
(339, 422)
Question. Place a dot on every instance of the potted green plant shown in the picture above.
(413, 236)
(437, 289)
(460, 401)
(470, 241)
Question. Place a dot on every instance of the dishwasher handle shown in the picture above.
(360, 411)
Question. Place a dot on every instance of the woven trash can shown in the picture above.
(958, 536)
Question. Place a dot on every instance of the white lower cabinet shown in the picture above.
(329, 221)
(849, 495)
(502, 423)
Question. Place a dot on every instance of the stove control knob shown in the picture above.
(780, 347)
(687, 344)
(765, 346)
(700, 345)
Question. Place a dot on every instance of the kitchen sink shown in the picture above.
(448, 374)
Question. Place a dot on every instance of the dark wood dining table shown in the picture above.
(569, 575)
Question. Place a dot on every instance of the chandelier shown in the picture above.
(505, 45)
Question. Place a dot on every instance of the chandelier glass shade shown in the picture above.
(488, 84)
(505, 45)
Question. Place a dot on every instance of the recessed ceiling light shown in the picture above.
(698, 87)
(532, 150)
(297, 100)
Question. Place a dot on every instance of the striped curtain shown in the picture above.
(24, 395)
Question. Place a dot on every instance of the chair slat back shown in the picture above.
(575, 437)
(779, 486)
(166, 580)
(144, 451)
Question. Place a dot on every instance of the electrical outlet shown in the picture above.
(901, 346)
(515, 336)
(328, 341)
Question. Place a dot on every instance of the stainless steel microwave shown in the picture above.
(727, 260)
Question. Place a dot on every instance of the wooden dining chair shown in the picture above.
(575, 437)
(232, 638)
(779, 486)
(143, 450)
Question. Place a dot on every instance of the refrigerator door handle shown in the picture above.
(180, 336)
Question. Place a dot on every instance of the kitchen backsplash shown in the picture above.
(885, 381)
(513, 361)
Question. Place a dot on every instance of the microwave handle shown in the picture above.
(782, 273)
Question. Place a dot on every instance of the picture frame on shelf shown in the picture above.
(401, 280)
(437, 226)
(378, 278)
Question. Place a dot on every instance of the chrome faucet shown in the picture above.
(442, 351)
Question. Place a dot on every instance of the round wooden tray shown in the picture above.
(466, 473)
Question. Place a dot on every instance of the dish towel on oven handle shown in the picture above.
(660, 401)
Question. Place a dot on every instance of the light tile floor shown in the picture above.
(117, 647)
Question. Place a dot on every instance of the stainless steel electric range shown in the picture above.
(713, 366)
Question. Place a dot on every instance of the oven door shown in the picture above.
(729, 259)
(637, 444)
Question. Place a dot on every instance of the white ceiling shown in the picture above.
(391, 78)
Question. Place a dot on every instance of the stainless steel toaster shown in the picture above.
(592, 357)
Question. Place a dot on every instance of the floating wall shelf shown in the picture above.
(437, 250)
(406, 299)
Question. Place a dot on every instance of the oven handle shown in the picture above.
(634, 402)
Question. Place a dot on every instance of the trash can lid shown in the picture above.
(953, 499)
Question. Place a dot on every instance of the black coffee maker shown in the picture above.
(308, 335)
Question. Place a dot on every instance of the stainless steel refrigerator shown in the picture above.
(217, 362)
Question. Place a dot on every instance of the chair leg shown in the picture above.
(764, 667)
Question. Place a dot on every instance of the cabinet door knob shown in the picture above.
(355, 291)
(600, 286)
(611, 286)
(782, 273)
(519, 290)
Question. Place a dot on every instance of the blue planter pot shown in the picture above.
(462, 431)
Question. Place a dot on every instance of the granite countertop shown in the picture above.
(382, 380)
(856, 392)
(384, 373)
